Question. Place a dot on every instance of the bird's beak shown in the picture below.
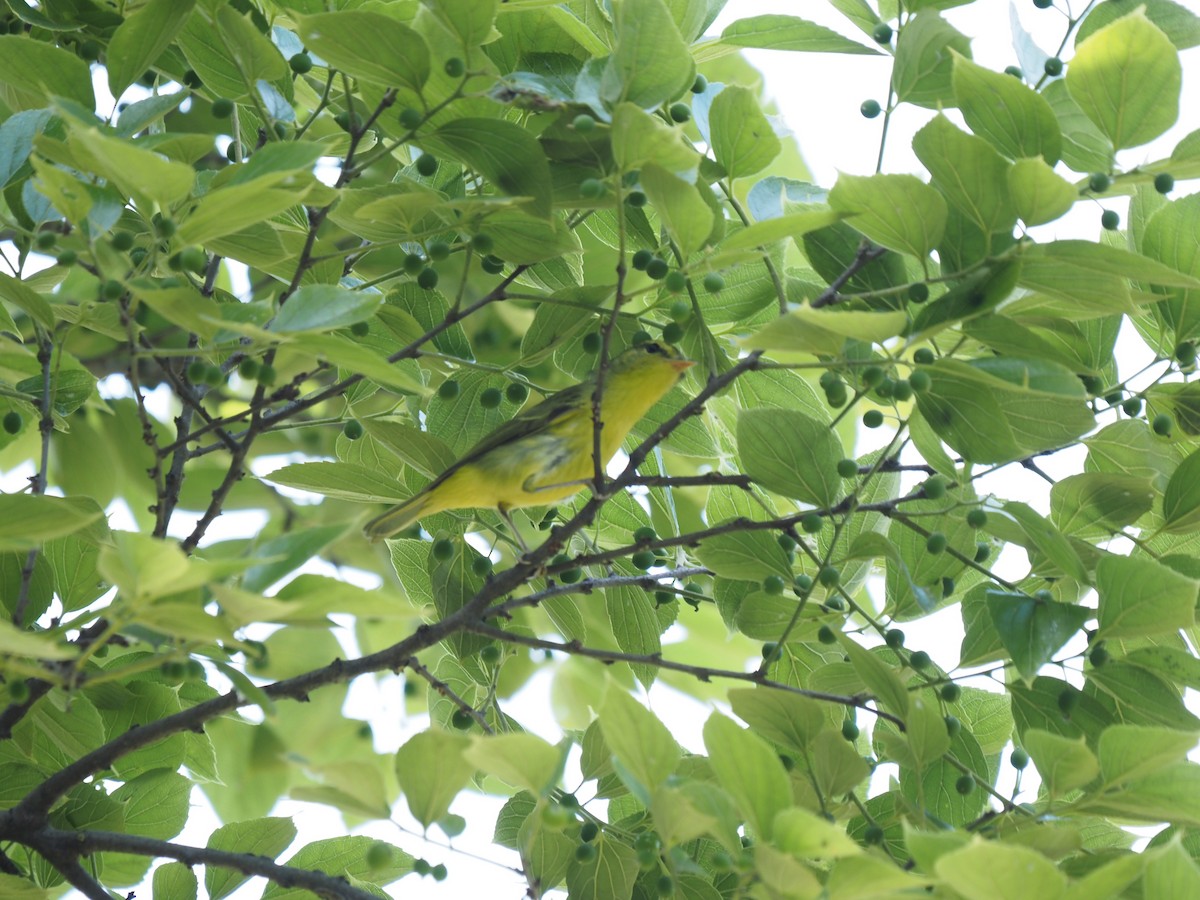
(682, 365)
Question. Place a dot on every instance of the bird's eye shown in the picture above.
(653, 348)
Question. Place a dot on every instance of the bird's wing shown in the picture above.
(535, 420)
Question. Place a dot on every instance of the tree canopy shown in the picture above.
(319, 249)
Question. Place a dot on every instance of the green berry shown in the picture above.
(836, 396)
(923, 356)
(12, 425)
(413, 264)
(936, 543)
(438, 250)
(462, 720)
(222, 108)
(481, 565)
(1015, 72)
(67, 258)
(44, 240)
(873, 835)
(675, 282)
(935, 487)
(870, 109)
(591, 342)
(1053, 66)
(894, 638)
(657, 268)
(1019, 759)
(1110, 220)
(802, 584)
(421, 867)
(18, 691)
(982, 552)
(570, 576)
(965, 784)
(482, 244)
(850, 730)
(360, 329)
(902, 391)
(672, 333)
(1043, 4)
(1099, 182)
(196, 371)
(813, 522)
(428, 278)
(826, 635)
(641, 259)
(918, 292)
(770, 651)
(1185, 353)
(353, 430)
(1163, 425)
(448, 390)
(1132, 406)
(882, 33)
(872, 418)
(976, 518)
(847, 468)
(1098, 656)
(586, 852)
(111, 290)
(516, 393)
(427, 164)
(588, 832)
(700, 85)
(953, 725)
(643, 559)
(455, 67)
(583, 123)
(664, 886)
(680, 112)
(301, 63)
(493, 265)
(713, 283)
(773, 585)
(122, 241)
(193, 259)
(680, 311)
(829, 576)
(490, 398)
(919, 660)
(1068, 700)
(951, 692)
(591, 188)
(1164, 183)
(636, 199)
(442, 549)
(410, 118)
(785, 541)
(644, 535)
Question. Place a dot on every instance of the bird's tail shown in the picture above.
(399, 517)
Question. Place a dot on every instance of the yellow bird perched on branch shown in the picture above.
(544, 454)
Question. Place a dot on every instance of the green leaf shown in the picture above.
(1084, 146)
(344, 856)
(1141, 596)
(779, 32)
(641, 744)
(972, 176)
(1033, 629)
(1127, 77)
(1003, 110)
(749, 770)
(791, 453)
(1181, 499)
(156, 803)
(1172, 873)
(807, 835)
(825, 330)
(432, 768)
(680, 207)
(261, 837)
(522, 760)
(360, 359)
(17, 642)
(925, 729)
(1168, 795)
(228, 210)
(638, 137)
(174, 879)
(1128, 752)
(900, 212)
(1168, 240)
(989, 870)
(789, 720)
(836, 765)
(1039, 195)
(36, 72)
(924, 66)
(1001, 409)
(228, 53)
(880, 678)
(610, 873)
(142, 38)
(507, 155)
(469, 20)
(26, 520)
(1099, 502)
(1179, 24)
(27, 300)
(744, 555)
(743, 141)
(1139, 697)
(370, 46)
(1064, 763)
(324, 307)
(650, 63)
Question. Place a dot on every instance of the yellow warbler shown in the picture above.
(544, 454)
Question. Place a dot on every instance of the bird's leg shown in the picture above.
(512, 526)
